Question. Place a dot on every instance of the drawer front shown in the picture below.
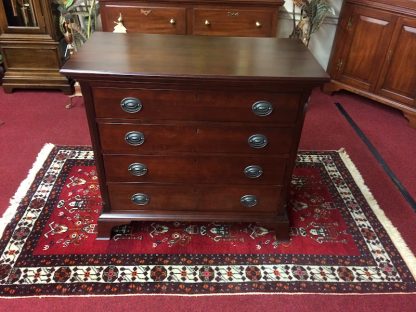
(145, 19)
(161, 139)
(195, 170)
(197, 106)
(224, 198)
(234, 22)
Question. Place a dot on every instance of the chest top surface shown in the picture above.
(145, 55)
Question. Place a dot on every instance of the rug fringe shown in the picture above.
(24, 187)
(392, 231)
(211, 295)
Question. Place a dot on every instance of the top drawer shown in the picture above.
(234, 22)
(145, 19)
(160, 105)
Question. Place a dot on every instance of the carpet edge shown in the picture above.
(24, 186)
(397, 239)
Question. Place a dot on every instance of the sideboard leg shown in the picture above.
(105, 228)
(411, 117)
(330, 87)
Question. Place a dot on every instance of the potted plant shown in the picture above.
(77, 21)
(312, 15)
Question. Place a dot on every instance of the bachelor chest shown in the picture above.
(194, 128)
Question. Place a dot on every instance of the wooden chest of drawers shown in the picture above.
(205, 17)
(194, 128)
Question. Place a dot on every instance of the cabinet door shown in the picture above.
(398, 77)
(363, 48)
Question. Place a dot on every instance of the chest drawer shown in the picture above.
(199, 138)
(195, 169)
(224, 198)
(145, 19)
(233, 21)
(151, 105)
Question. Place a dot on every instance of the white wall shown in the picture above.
(321, 41)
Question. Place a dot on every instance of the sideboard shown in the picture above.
(374, 53)
(256, 18)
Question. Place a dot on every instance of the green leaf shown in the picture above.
(69, 3)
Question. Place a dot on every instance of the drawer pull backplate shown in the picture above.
(137, 169)
(253, 171)
(248, 201)
(257, 141)
(134, 138)
(140, 199)
(131, 105)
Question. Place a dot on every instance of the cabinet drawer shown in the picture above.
(234, 22)
(223, 198)
(196, 106)
(195, 170)
(145, 19)
(162, 139)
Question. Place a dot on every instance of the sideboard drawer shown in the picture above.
(204, 169)
(146, 19)
(222, 138)
(197, 106)
(223, 198)
(233, 22)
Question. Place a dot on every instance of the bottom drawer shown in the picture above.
(223, 198)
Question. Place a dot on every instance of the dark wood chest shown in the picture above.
(193, 128)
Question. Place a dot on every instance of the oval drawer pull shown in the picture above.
(134, 138)
(262, 108)
(253, 171)
(138, 169)
(248, 200)
(131, 105)
(257, 141)
(140, 199)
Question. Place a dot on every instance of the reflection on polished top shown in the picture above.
(194, 56)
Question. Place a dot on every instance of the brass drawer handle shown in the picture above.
(172, 21)
(257, 141)
(262, 108)
(248, 201)
(140, 199)
(207, 23)
(258, 24)
(137, 169)
(134, 138)
(131, 105)
(253, 171)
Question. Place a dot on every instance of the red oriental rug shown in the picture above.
(341, 242)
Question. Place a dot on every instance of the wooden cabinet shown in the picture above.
(194, 128)
(31, 46)
(206, 17)
(374, 53)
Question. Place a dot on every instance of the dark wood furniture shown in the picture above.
(194, 128)
(256, 18)
(31, 46)
(374, 53)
